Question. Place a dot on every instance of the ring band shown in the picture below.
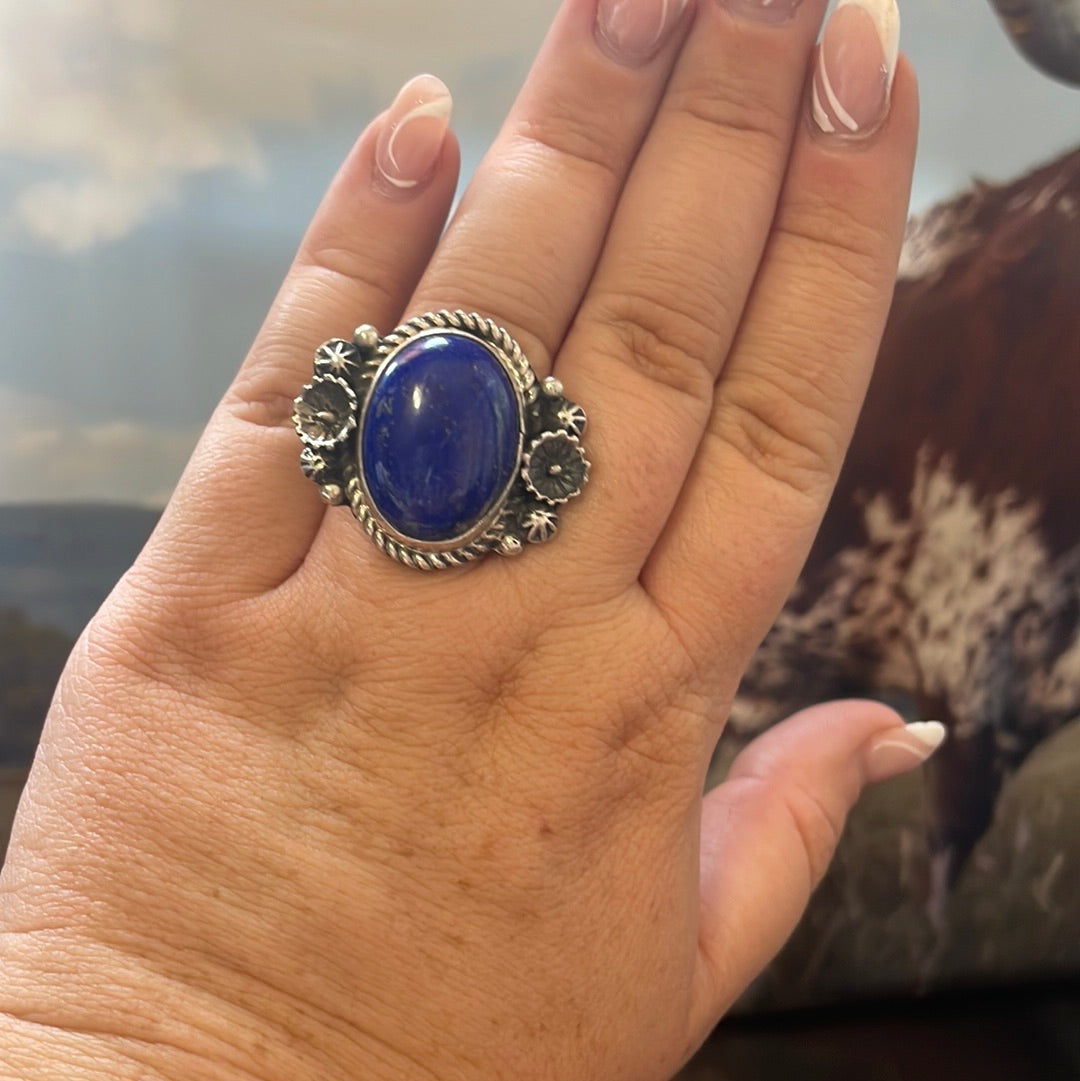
(441, 439)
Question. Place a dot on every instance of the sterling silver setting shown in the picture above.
(329, 416)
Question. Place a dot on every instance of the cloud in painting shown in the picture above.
(122, 100)
(50, 455)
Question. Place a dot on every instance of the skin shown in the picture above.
(300, 812)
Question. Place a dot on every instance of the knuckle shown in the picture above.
(789, 437)
(174, 642)
(198, 645)
(830, 234)
(502, 289)
(345, 271)
(575, 138)
(745, 117)
(667, 343)
(818, 829)
(279, 364)
(263, 392)
(261, 406)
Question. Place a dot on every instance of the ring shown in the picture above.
(441, 439)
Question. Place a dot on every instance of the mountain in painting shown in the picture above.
(59, 561)
(57, 564)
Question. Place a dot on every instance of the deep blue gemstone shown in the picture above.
(441, 437)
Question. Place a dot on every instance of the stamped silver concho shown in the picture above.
(441, 439)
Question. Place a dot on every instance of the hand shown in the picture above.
(301, 812)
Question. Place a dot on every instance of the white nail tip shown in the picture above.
(930, 733)
(886, 17)
(820, 115)
(839, 111)
(900, 745)
(437, 106)
(437, 109)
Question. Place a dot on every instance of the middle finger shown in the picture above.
(524, 240)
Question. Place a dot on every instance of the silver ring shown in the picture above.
(441, 439)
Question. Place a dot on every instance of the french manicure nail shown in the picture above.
(856, 61)
(769, 11)
(900, 750)
(633, 31)
(413, 133)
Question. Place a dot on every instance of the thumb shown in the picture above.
(769, 831)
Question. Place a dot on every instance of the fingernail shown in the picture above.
(769, 11)
(413, 133)
(900, 750)
(856, 61)
(633, 31)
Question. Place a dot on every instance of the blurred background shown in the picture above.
(159, 160)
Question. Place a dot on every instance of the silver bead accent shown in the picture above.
(332, 495)
(366, 337)
(552, 388)
(510, 546)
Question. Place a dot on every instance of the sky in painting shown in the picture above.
(159, 159)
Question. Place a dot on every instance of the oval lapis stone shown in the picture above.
(441, 437)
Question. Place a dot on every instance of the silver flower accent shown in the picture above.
(555, 467)
(540, 525)
(325, 412)
(572, 417)
(336, 357)
(312, 464)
